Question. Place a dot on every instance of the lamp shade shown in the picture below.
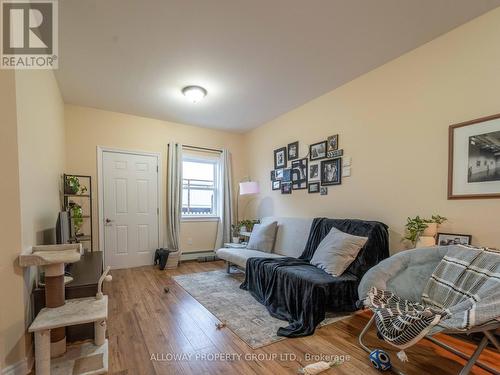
(249, 187)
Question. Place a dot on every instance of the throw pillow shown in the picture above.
(263, 237)
(337, 251)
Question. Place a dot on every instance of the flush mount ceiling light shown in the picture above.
(194, 93)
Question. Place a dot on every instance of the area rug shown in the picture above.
(220, 293)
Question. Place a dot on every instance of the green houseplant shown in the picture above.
(416, 226)
(76, 213)
(73, 186)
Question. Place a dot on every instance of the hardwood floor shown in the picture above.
(146, 322)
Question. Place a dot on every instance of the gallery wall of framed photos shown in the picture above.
(315, 172)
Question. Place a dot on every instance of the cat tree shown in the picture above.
(49, 325)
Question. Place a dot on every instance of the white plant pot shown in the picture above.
(425, 241)
(431, 230)
(236, 240)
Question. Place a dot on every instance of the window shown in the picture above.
(200, 186)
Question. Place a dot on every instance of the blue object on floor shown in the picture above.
(380, 360)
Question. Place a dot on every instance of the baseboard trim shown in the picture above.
(196, 254)
(19, 368)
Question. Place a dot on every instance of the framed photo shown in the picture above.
(331, 172)
(280, 158)
(273, 175)
(444, 239)
(299, 170)
(317, 151)
(313, 171)
(278, 174)
(474, 159)
(293, 150)
(323, 190)
(286, 188)
(287, 175)
(276, 185)
(313, 187)
(334, 154)
(332, 143)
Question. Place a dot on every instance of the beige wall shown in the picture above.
(12, 320)
(33, 158)
(40, 118)
(393, 122)
(87, 128)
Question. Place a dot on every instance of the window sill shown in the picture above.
(199, 219)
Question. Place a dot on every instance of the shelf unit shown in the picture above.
(69, 197)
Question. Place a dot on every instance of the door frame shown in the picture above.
(100, 190)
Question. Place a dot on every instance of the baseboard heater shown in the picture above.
(200, 256)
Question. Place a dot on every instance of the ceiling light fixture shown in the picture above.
(194, 93)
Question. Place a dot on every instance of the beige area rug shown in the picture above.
(220, 293)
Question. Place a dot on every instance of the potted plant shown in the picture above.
(76, 214)
(73, 186)
(235, 229)
(421, 227)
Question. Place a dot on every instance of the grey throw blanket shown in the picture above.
(463, 292)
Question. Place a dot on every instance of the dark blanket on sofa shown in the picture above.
(294, 290)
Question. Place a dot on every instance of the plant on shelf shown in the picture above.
(416, 226)
(73, 186)
(76, 214)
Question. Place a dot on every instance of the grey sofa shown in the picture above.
(291, 239)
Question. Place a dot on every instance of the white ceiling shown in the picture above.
(257, 58)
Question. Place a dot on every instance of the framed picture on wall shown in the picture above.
(332, 143)
(273, 175)
(276, 185)
(278, 174)
(287, 175)
(313, 187)
(313, 171)
(286, 188)
(474, 159)
(293, 150)
(444, 239)
(331, 172)
(317, 151)
(280, 158)
(299, 170)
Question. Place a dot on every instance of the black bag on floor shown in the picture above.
(161, 257)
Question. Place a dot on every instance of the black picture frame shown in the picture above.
(278, 174)
(332, 143)
(313, 172)
(331, 172)
(286, 187)
(273, 175)
(313, 187)
(287, 175)
(293, 150)
(276, 185)
(441, 239)
(280, 158)
(299, 171)
(313, 152)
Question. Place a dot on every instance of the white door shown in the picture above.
(130, 185)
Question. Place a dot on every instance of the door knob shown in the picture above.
(108, 221)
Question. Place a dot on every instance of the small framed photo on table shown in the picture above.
(445, 239)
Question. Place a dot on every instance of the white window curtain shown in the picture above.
(174, 202)
(225, 201)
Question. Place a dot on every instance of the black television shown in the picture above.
(63, 231)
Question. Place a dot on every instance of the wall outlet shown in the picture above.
(346, 172)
